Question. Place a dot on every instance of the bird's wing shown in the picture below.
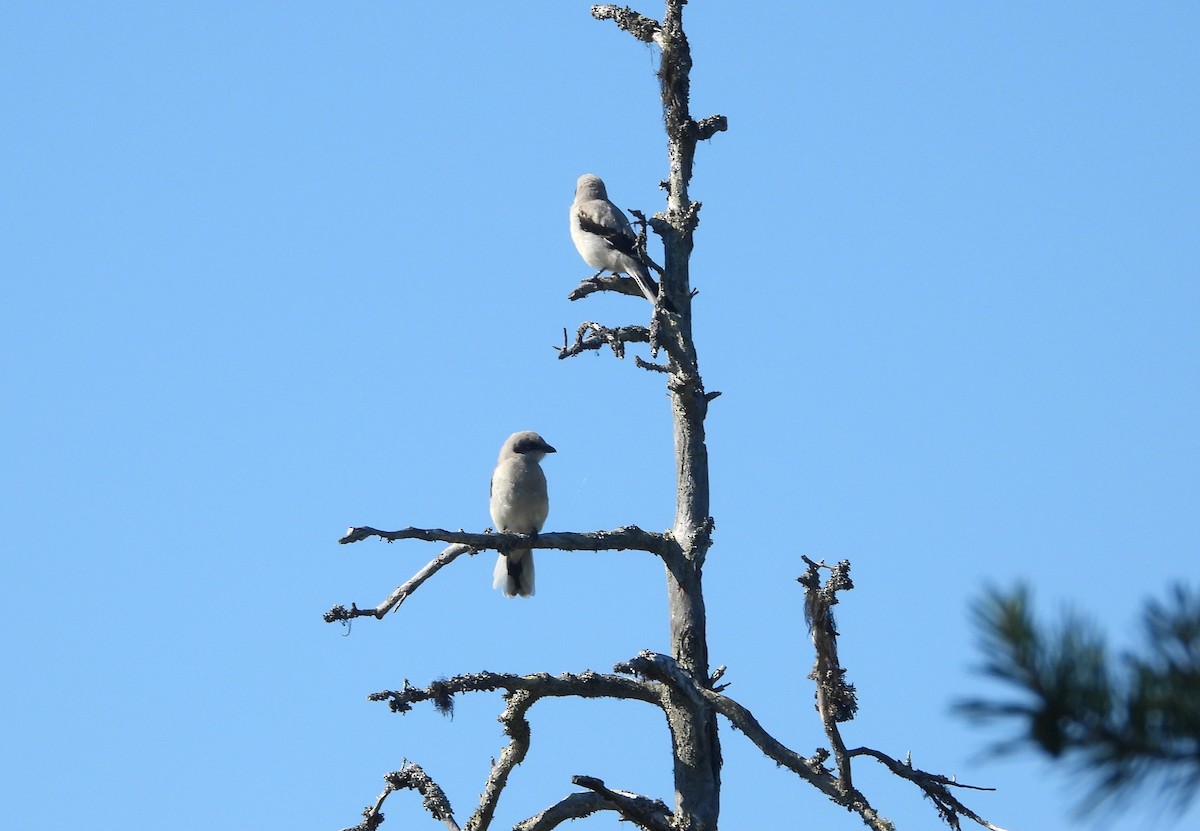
(604, 219)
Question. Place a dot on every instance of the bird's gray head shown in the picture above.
(528, 444)
(590, 186)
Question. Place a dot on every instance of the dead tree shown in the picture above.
(682, 684)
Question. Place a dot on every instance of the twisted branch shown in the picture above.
(592, 336)
(516, 727)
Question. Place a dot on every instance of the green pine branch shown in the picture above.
(1125, 723)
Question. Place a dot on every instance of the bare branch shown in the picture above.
(836, 700)
(649, 365)
(402, 593)
(523, 691)
(627, 538)
(641, 27)
(706, 128)
(540, 685)
(592, 336)
(572, 806)
(623, 539)
(935, 786)
(644, 812)
(664, 668)
(812, 770)
(605, 282)
(410, 777)
(516, 727)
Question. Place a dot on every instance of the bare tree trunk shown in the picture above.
(693, 722)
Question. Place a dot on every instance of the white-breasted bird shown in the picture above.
(519, 503)
(603, 236)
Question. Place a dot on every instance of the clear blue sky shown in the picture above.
(273, 269)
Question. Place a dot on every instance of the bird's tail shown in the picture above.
(514, 573)
(642, 277)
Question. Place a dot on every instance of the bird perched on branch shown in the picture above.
(519, 503)
(603, 236)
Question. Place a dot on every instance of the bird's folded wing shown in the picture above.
(607, 225)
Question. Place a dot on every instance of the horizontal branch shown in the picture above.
(623, 539)
(706, 128)
(605, 282)
(628, 538)
(540, 685)
(641, 27)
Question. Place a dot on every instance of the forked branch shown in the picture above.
(521, 693)
(813, 770)
(622, 539)
(935, 786)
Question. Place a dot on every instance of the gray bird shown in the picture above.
(519, 503)
(603, 236)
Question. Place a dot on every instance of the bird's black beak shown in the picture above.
(547, 448)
